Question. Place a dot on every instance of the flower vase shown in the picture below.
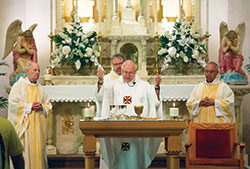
(182, 70)
(70, 70)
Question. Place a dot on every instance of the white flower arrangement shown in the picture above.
(75, 47)
(181, 47)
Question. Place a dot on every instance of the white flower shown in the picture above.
(162, 51)
(97, 54)
(66, 50)
(172, 51)
(185, 59)
(88, 34)
(78, 64)
(195, 54)
(89, 51)
(86, 40)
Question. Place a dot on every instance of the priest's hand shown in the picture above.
(207, 101)
(157, 86)
(37, 106)
(100, 74)
(157, 81)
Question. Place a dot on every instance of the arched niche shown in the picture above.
(130, 51)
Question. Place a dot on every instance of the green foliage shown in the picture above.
(3, 101)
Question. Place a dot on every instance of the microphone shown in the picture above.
(131, 84)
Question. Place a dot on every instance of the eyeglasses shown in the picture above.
(210, 71)
(117, 64)
(128, 73)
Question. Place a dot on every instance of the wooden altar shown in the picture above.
(170, 130)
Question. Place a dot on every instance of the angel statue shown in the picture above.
(23, 47)
(230, 56)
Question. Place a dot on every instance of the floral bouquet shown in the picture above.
(181, 47)
(75, 47)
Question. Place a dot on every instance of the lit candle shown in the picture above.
(156, 28)
(99, 15)
(174, 111)
(207, 26)
(89, 111)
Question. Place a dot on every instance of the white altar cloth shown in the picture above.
(85, 93)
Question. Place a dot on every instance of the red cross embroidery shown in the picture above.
(127, 100)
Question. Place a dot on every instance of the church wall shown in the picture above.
(237, 12)
(37, 11)
(29, 12)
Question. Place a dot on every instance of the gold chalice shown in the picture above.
(138, 111)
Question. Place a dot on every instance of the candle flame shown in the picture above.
(173, 104)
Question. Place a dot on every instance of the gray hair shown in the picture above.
(213, 63)
(129, 62)
(118, 55)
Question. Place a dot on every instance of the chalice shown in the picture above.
(138, 111)
(122, 110)
(113, 110)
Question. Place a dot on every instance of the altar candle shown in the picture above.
(89, 111)
(207, 15)
(99, 15)
(156, 27)
(174, 111)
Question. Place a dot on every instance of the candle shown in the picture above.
(174, 111)
(156, 28)
(89, 111)
(207, 26)
(99, 15)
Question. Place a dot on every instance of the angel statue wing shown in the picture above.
(32, 27)
(13, 31)
(223, 30)
(240, 30)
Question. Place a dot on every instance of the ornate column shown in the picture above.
(142, 61)
(113, 46)
(141, 20)
(59, 17)
(239, 93)
(115, 30)
(197, 16)
(91, 4)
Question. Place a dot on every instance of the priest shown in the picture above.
(28, 110)
(212, 100)
(130, 90)
(117, 61)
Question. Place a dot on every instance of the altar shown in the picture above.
(70, 94)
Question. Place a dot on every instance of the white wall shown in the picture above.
(30, 12)
(38, 11)
(239, 11)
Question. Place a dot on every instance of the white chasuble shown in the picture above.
(223, 109)
(130, 153)
(99, 95)
(31, 126)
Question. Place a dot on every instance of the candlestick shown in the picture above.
(207, 26)
(156, 26)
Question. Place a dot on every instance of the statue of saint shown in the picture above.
(230, 56)
(23, 46)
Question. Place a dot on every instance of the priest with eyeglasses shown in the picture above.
(212, 100)
(130, 90)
